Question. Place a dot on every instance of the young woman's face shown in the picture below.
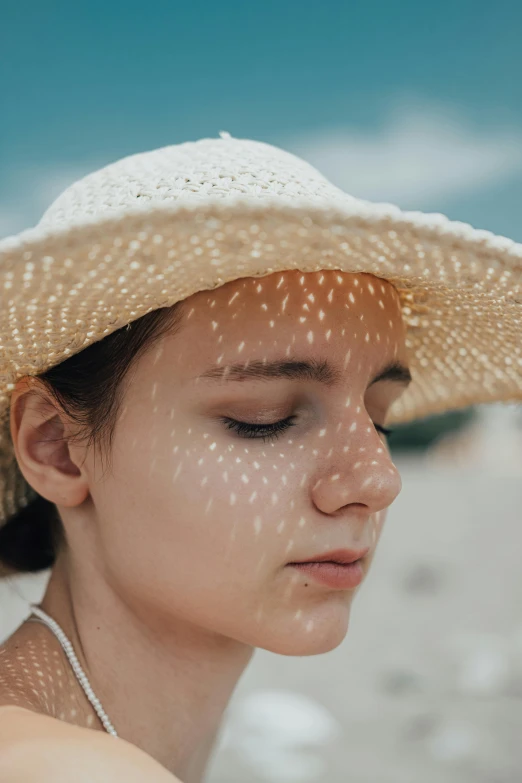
(198, 518)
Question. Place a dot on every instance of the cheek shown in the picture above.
(193, 507)
(221, 510)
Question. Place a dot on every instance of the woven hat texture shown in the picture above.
(155, 227)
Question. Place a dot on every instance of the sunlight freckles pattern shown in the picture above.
(35, 675)
(275, 491)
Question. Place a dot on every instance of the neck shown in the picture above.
(163, 682)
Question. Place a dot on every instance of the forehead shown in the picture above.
(315, 313)
(296, 298)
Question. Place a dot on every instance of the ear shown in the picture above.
(40, 431)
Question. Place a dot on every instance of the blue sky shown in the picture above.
(415, 103)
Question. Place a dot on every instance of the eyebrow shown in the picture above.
(299, 369)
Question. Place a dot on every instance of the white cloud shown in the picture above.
(422, 153)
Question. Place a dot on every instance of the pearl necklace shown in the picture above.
(77, 669)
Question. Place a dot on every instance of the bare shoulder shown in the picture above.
(36, 747)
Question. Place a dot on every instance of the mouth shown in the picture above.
(341, 569)
(339, 556)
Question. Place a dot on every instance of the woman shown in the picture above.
(205, 345)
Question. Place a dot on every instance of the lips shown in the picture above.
(341, 556)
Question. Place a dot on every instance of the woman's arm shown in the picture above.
(36, 748)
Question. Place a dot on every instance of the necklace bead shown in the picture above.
(75, 665)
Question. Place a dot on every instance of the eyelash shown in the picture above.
(246, 429)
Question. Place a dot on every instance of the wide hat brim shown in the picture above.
(460, 290)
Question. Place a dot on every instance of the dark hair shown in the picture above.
(89, 387)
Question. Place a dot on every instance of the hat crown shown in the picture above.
(224, 169)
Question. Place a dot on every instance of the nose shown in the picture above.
(368, 478)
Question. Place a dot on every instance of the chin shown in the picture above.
(318, 631)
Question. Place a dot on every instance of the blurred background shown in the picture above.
(417, 104)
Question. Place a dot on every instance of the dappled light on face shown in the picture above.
(263, 428)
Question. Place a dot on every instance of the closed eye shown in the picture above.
(246, 429)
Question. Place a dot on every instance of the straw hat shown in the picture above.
(156, 227)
